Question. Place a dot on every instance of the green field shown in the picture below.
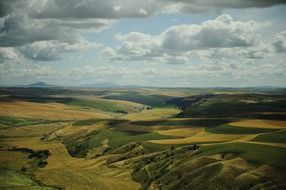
(259, 154)
(228, 129)
(275, 137)
(151, 100)
(15, 180)
(17, 122)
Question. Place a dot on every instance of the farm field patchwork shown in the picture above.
(142, 139)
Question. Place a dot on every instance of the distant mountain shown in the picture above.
(38, 85)
(93, 85)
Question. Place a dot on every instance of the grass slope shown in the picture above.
(16, 121)
(10, 179)
(274, 137)
(115, 139)
(235, 105)
(228, 129)
(151, 100)
(255, 153)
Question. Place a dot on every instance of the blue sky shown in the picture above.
(153, 43)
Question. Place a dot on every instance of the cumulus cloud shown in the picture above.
(52, 50)
(222, 32)
(135, 45)
(24, 22)
(8, 54)
(236, 3)
(18, 30)
(23, 37)
(120, 9)
(95, 9)
(279, 42)
(254, 52)
(26, 70)
(42, 39)
(199, 6)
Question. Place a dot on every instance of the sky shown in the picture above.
(166, 43)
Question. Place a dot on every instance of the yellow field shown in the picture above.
(75, 173)
(197, 136)
(49, 111)
(33, 131)
(182, 132)
(72, 130)
(163, 92)
(259, 123)
(62, 169)
(121, 104)
(247, 139)
(154, 114)
(13, 160)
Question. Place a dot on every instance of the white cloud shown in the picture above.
(123, 8)
(95, 9)
(222, 32)
(258, 51)
(210, 52)
(25, 22)
(44, 50)
(199, 6)
(9, 54)
(135, 45)
(52, 50)
(42, 39)
(279, 42)
(19, 30)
